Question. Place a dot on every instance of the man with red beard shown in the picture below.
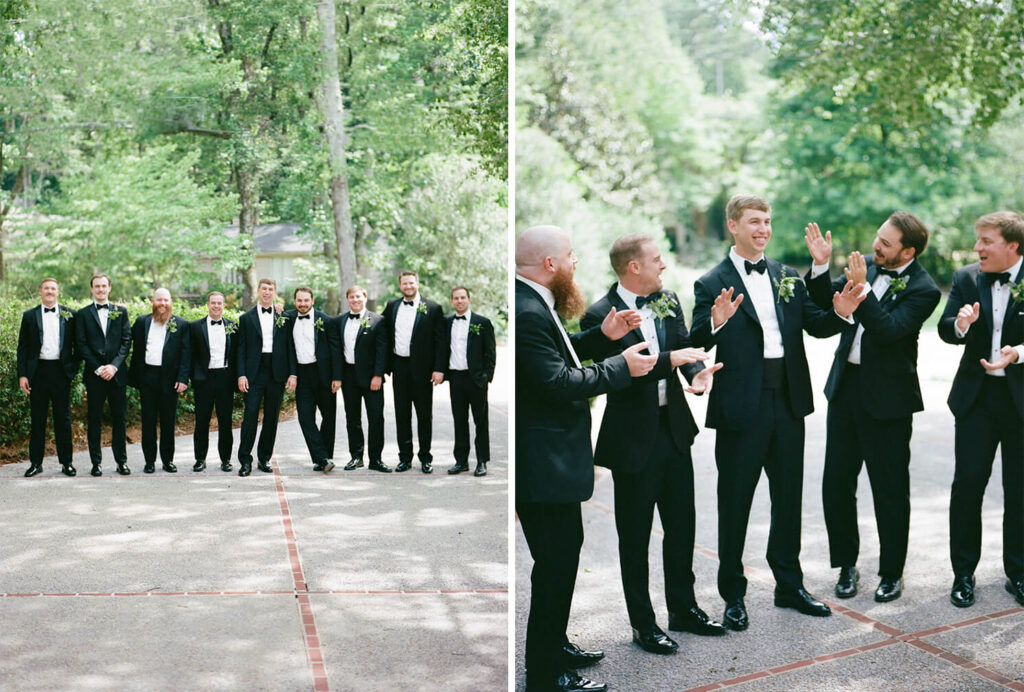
(554, 458)
(161, 358)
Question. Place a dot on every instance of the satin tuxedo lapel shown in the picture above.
(985, 299)
(775, 277)
(39, 325)
(733, 279)
(1013, 312)
(417, 319)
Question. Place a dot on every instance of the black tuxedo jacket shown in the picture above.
(481, 350)
(969, 287)
(635, 409)
(250, 346)
(740, 343)
(888, 349)
(177, 351)
(199, 332)
(371, 347)
(30, 340)
(428, 348)
(325, 345)
(97, 349)
(554, 459)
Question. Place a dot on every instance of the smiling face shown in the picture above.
(215, 305)
(888, 247)
(460, 301)
(161, 305)
(646, 269)
(356, 301)
(303, 302)
(409, 285)
(267, 294)
(751, 231)
(100, 289)
(48, 292)
(994, 253)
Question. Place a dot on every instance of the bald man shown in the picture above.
(554, 458)
(161, 358)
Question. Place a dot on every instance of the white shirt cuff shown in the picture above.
(1020, 355)
(848, 320)
(715, 330)
(818, 269)
(956, 330)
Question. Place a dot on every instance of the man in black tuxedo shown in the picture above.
(47, 363)
(554, 462)
(418, 347)
(363, 353)
(652, 466)
(471, 360)
(161, 360)
(985, 313)
(873, 393)
(214, 356)
(265, 368)
(103, 338)
(760, 399)
(318, 376)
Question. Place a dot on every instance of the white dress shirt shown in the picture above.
(460, 341)
(352, 328)
(405, 320)
(650, 332)
(549, 300)
(218, 344)
(155, 342)
(50, 348)
(267, 327)
(302, 335)
(1000, 304)
(104, 315)
(758, 288)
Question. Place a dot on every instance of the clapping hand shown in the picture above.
(682, 356)
(703, 380)
(856, 268)
(1007, 355)
(967, 316)
(819, 247)
(724, 307)
(639, 364)
(846, 301)
(617, 324)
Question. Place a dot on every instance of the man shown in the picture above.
(161, 359)
(318, 376)
(47, 364)
(103, 339)
(873, 393)
(554, 462)
(985, 313)
(470, 368)
(418, 343)
(760, 400)
(265, 367)
(364, 357)
(652, 465)
(214, 361)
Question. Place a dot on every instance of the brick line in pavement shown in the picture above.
(896, 636)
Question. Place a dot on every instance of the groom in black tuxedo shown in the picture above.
(985, 313)
(214, 361)
(873, 393)
(760, 399)
(652, 466)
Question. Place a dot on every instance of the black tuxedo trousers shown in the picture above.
(50, 387)
(97, 392)
(159, 403)
(312, 393)
(465, 395)
(267, 392)
(412, 391)
(855, 438)
(353, 395)
(216, 392)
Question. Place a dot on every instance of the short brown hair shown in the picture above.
(266, 281)
(49, 279)
(626, 249)
(356, 287)
(1010, 226)
(740, 203)
(303, 289)
(461, 288)
(100, 276)
(409, 272)
(913, 233)
(211, 294)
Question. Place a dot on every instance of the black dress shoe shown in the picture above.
(328, 466)
(319, 466)
(801, 601)
(575, 657)
(735, 617)
(654, 641)
(695, 621)
(122, 468)
(264, 466)
(150, 467)
(962, 594)
(403, 466)
(199, 466)
(569, 681)
(245, 469)
(426, 467)
(355, 464)
(225, 466)
(378, 465)
(69, 469)
(1015, 587)
(169, 467)
(846, 587)
(458, 468)
(96, 470)
(889, 589)
(481, 469)
(33, 470)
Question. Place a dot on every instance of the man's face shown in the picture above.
(215, 306)
(100, 289)
(48, 293)
(564, 260)
(888, 247)
(752, 231)
(994, 253)
(649, 265)
(409, 285)
(267, 294)
(460, 301)
(303, 302)
(356, 301)
(161, 305)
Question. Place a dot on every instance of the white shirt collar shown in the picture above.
(628, 297)
(738, 261)
(1015, 269)
(468, 315)
(544, 292)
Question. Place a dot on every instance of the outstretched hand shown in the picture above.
(639, 364)
(724, 307)
(967, 316)
(703, 380)
(856, 268)
(617, 324)
(1007, 355)
(846, 301)
(819, 247)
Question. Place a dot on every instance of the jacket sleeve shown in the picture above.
(490, 349)
(91, 358)
(381, 348)
(23, 345)
(243, 346)
(906, 318)
(441, 345)
(817, 322)
(126, 341)
(185, 364)
(700, 333)
(389, 345)
(947, 323)
(332, 328)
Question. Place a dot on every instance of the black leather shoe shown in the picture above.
(735, 617)
(199, 466)
(481, 469)
(96, 470)
(1015, 587)
(654, 641)
(33, 470)
(264, 466)
(328, 466)
(962, 594)
(69, 470)
(245, 469)
(846, 587)
(378, 465)
(122, 468)
(569, 681)
(889, 589)
(575, 657)
(695, 621)
(801, 601)
(355, 464)
(150, 467)
(426, 467)
(169, 467)
(458, 468)
(319, 466)
(403, 466)
(225, 466)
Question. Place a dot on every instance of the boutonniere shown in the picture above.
(786, 287)
(421, 308)
(664, 307)
(897, 285)
(65, 314)
(172, 326)
(1017, 292)
(280, 321)
(318, 325)
(112, 312)
(365, 323)
(230, 327)
(474, 329)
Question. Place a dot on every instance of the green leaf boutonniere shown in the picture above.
(896, 286)
(113, 313)
(663, 307)
(230, 327)
(280, 321)
(65, 314)
(318, 325)
(1017, 292)
(474, 329)
(786, 287)
(365, 323)
(172, 326)
(421, 308)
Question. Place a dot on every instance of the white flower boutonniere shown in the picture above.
(65, 314)
(318, 325)
(172, 326)
(365, 323)
(230, 327)
(786, 287)
(896, 286)
(280, 321)
(663, 308)
(1017, 292)
(421, 308)
(474, 329)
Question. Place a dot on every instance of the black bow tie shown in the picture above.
(994, 277)
(882, 271)
(759, 266)
(212, 322)
(647, 300)
(267, 310)
(102, 307)
(407, 302)
(353, 316)
(460, 317)
(53, 309)
(303, 317)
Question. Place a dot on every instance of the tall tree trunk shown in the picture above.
(247, 227)
(334, 127)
